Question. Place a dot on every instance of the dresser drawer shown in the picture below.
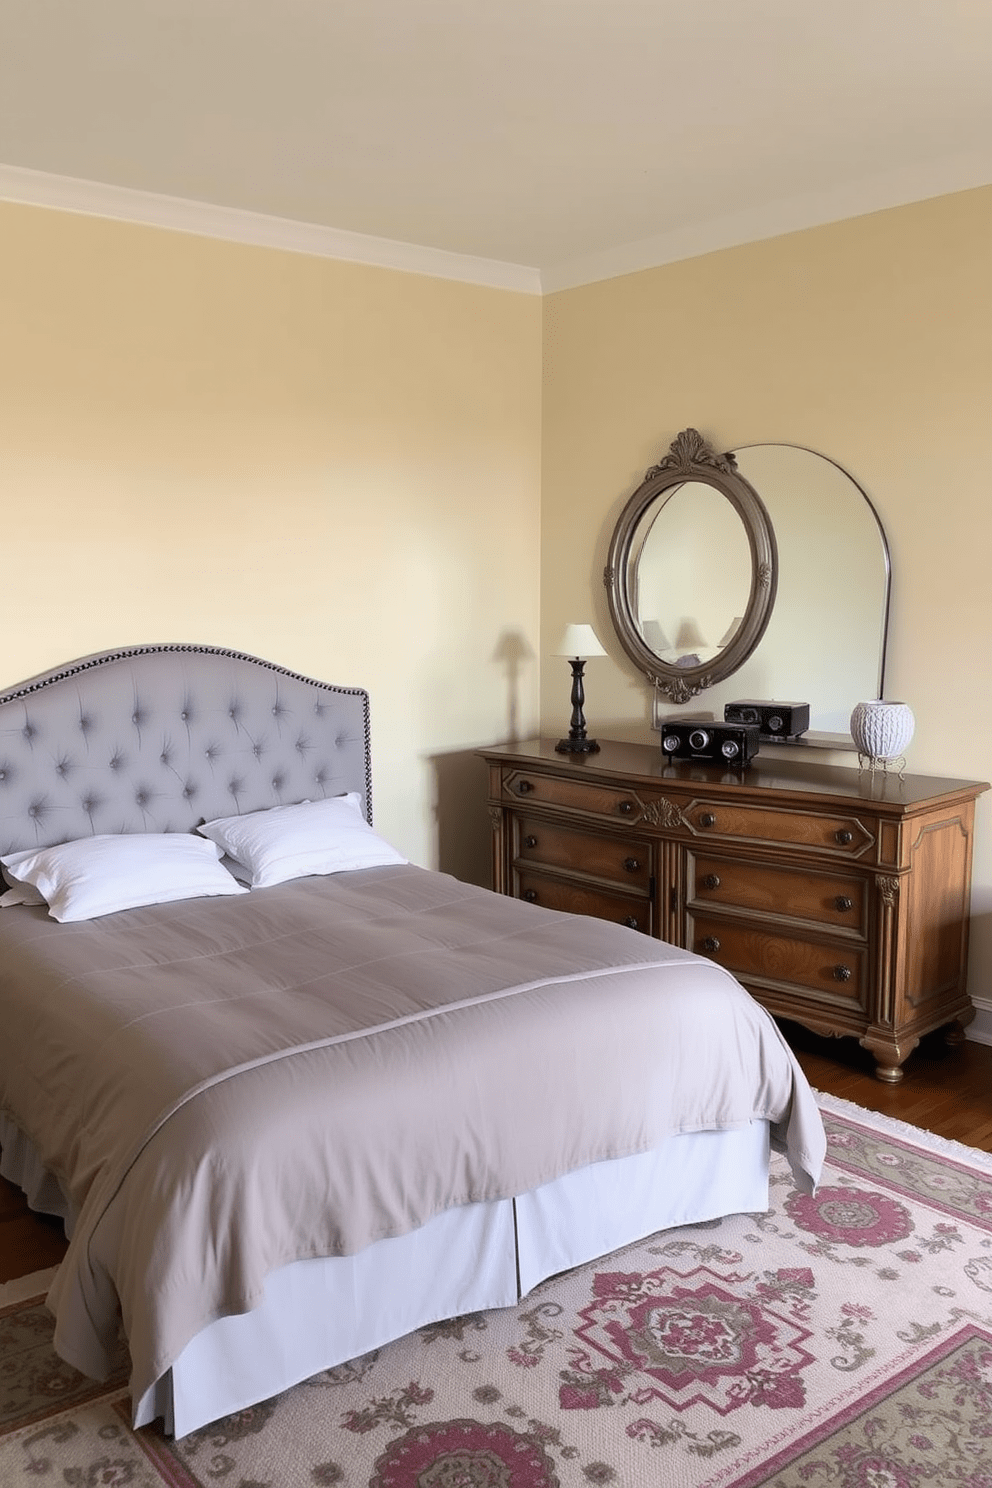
(622, 860)
(571, 794)
(839, 900)
(836, 972)
(579, 898)
(839, 835)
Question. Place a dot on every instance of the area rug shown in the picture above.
(838, 1341)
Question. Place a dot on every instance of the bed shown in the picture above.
(317, 1096)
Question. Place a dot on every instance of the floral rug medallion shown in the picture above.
(842, 1340)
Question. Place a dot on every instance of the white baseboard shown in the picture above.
(980, 1030)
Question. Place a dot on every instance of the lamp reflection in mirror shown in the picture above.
(690, 643)
(578, 643)
(656, 637)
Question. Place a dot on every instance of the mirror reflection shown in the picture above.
(688, 530)
(825, 640)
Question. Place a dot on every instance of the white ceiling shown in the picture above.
(538, 143)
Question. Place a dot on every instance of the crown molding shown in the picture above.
(877, 193)
(768, 220)
(178, 214)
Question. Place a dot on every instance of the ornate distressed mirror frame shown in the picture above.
(691, 459)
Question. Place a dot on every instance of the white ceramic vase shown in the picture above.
(881, 730)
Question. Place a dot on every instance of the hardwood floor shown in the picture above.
(28, 1242)
(947, 1090)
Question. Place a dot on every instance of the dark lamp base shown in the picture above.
(577, 746)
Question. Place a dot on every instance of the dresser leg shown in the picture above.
(954, 1033)
(890, 1055)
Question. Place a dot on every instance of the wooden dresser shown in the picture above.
(839, 898)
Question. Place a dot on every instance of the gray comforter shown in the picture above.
(227, 1085)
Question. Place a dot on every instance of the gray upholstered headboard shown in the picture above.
(160, 738)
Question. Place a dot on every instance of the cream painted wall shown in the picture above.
(869, 340)
(331, 466)
(339, 468)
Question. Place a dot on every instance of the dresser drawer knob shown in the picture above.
(707, 819)
(711, 881)
(843, 903)
(530, 840)
(842, 973)
(530, 895)
(711, 944)
(844, 836)
(632, 865)
(626, 808)
(524, 788)
(631, 922)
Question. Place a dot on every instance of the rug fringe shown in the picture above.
(913, 1135)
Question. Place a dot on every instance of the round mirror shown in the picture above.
(700, 589)
(825, 641)
(692, 570)
(686, 530)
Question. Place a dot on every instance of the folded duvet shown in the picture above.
(224, 1086)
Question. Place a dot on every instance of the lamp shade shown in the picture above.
(579, 641)
(656, 638)
(689, 637)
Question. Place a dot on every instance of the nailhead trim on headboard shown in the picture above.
(161, 737)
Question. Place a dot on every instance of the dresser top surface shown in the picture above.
(766, 772)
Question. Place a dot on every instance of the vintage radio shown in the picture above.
(722, 743)
(774, 720)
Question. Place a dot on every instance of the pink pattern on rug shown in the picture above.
(853, 1216)
(695, 1338)
(464, 1454)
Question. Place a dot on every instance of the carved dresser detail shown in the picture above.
(839, 898)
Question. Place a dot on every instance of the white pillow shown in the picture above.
(101, 875)
(329, 836)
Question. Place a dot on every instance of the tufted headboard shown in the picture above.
(160, 738)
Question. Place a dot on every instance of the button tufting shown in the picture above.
(184, 715)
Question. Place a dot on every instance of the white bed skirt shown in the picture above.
(466, 1260)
